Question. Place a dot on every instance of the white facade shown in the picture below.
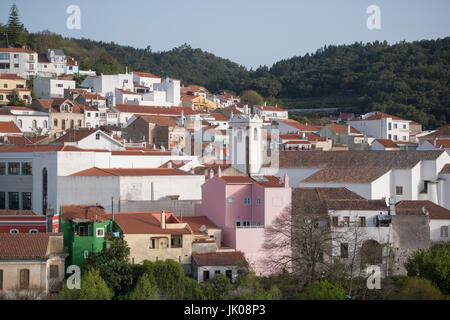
(29, 123)
(436, 233)
(18, 61)
(145, 81)
(47, 88)
(383, 128)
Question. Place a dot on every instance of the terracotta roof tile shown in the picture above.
(196, 222)
(89, 212)
(25, 246)
(232, 258)
(145, 75)
(148, 223)
(301, 126)
(10, 76)
(75, 135)
(387, 143)
(415, 207)
(8, 212)
(445, 169)
(347, 175)
(130, 172)
(9, 127)
(163, 121)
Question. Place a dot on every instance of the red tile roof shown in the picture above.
(415, 207)
(301, 126)
(130, 172)
(196, 222)
(10, 76)
(88, 212)
(92, 96)
(145, 75)
(128, 92)
(137, 109)
(232, 258)
(342, 129)
(147, 223)
(297, 142)
(164, 121)
(42, 58)
(75, 135)
(269, 108)
(16, 140)
(140, 153)
(387, 143)
(379, 115)
(16, 50)
(440, 143)
(265, 181)
(42, 148)
(25, 246)
(347, 175)
(9, 127)
(174, 164)
(8, 212)
(445, 169)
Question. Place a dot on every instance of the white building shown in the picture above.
(52, 64)
(41, 172)
(88, 139)
(270, 112)
(29, 120)
(47, 88)
(19, 61)
(145, 79)
(402, 175)
(383, 126)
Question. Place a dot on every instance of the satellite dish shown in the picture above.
(203, 228)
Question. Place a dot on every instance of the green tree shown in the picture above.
(432, 264)
(251, 98)
(93, 287)
(324, 290)
(250, 287)
(113, 266)
(145, 289)
(16, 101)
(418, 289)
(219, 288)
(14, 27)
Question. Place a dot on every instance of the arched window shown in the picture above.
(34, 124)
(13, 231)
(45, 124)
(255, 134)
(33, 231)
(72, 123)
(19, 123)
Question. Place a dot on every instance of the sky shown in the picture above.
(249, 32)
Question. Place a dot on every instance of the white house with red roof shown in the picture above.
(48, 88)
(383, 126)
(30, 120)
(21, 61)
(145, 79)
(270, 112)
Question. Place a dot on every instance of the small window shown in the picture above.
(13, 198)
(13, 231)
(205, 275)
(247, 201)
(229, 274)
(216, 272)
(395, 137)
(33, 231)
(237, 223)
(54, 271)
(395, 126)
(2, 168)
(24, 278)
(55, 122)
(346, 221)
(362, 221)
(344, 250)
(399, 190)
(19, 123)
(26, 168)
(231, 199)
(444, 231)
(100, 232)
(26, 201)
(334, 221)
(97, 136)
(257, 201)
(14, 168)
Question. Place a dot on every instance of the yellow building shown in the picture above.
(37, 266)
(198, 103)
(13, 85)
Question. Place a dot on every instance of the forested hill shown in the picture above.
(409, 80)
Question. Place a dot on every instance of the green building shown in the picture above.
(86, 229)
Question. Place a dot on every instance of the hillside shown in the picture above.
(409, 80)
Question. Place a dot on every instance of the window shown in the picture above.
(14, 168)
(389, 136)
(362, 221)
(26, 168)
(59, 85)
(216, 272)
(389, 126)
(246, 223)
(89, 114)
(399, 190)
(257, 201)
(54, 271)
(24, 278)
(26, 201)
(5, 86)
(2, 200)
(444, 231)
(346, 221)
(334, 221)
(229, 274)
(45, 124)
(13, 231)
(205, 275)
(1, 279)
(86, 254)
(231, 199)
(2, 168)
(395, 126)
(97, 136)
(247, 201)
(72, 123)
(79, 123)
(237, 223)
(4, 56)
(344, 250)
(13, 198)
(33, 231)
(16, 56)
(63, 124)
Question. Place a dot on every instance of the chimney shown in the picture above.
(211, 173)
(219, 172)
(286, 181)
(163, 219)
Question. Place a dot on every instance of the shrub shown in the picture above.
(324, 290)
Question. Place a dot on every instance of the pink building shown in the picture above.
(242, 206)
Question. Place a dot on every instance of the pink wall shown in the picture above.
(258, 211)
(237, 210)
(213, 201)
(276, 201)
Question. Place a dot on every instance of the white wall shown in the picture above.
(435, 229)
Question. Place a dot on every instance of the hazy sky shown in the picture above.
(249, 32)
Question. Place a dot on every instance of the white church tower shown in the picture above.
(245, 142)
